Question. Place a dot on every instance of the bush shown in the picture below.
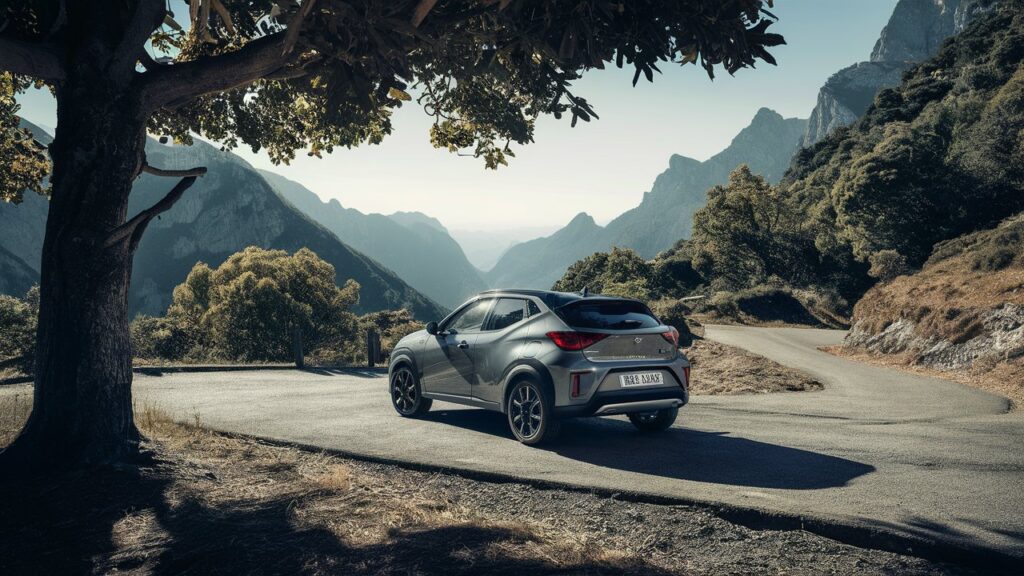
(249, 309)
(160, 338)
(18, 320)
(673, 312)
(887, 264)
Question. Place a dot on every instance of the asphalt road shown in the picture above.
(924, 458)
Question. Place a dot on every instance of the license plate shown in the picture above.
(641, 379)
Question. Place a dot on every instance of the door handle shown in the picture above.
(463, 344)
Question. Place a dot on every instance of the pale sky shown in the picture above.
(603, 167)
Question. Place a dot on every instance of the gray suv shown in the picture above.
(540, 356)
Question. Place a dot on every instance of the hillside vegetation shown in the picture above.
(940, 156)
(962, 313)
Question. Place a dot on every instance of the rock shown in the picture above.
(914, 33)
(916, 30)
(847, 95)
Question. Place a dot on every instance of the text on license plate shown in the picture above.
(641, 379)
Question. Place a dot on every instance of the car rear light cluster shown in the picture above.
(575, 341)
(672, 336)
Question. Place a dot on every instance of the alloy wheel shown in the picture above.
(526, 411)
(404, 393)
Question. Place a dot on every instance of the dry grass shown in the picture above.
(725, 370)
(15, 406)
(213, 504)
(1003, 378)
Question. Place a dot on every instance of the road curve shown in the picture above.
(926, 459)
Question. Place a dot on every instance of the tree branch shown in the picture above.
(295, 26)
(188, 80)
(422, 9)
(179, 83)
(133, 229)
(148, 16)
(198, 171)
(31, 59)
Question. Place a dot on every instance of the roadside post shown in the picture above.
(372, 348)
(300, 360)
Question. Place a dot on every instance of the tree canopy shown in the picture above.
(282, 76)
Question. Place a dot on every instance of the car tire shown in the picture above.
(406, 393)
(530, 414)
(654, 421)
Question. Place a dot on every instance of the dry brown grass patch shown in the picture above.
(721, 369)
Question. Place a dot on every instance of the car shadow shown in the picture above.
(681, 453)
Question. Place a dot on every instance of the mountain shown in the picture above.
(666, 212)
(539, 263)
(230, 208)
(417, 247)
(16, 277)
(484, 247)
(665, 215)
(914, 33)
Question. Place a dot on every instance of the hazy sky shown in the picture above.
(603, 167)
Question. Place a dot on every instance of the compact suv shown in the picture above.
(540, 356)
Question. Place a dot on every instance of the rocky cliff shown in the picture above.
(914, 33)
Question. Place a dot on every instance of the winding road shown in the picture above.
(912, 461)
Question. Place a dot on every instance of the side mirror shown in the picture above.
(432, 328)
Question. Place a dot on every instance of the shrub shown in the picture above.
(887, 264)
(673, 312)
(18, 320)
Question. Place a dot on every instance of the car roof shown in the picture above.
(553, 299)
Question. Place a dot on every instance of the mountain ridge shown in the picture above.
(415, 246)
(230, 208)
(665, 213)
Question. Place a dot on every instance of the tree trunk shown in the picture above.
(82, 413)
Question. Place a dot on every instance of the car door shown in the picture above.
(446, 361)
(497, 345)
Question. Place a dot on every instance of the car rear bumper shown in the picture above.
(626, 402)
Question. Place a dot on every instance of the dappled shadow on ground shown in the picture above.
(146, 520)
(681, 453)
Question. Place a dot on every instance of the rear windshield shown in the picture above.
(607, 315)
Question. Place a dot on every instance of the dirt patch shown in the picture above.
(207, 503)
(726, 370)
(1003, 378)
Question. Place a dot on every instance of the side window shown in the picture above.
(507, 311)
(471, 319)
(534, 309)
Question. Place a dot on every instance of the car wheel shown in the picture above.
(530, 414)
(406, 394)
(654, 421)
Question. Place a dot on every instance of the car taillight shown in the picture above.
(575, 391)
(686, 376)
(672, 336)
(575, 340)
